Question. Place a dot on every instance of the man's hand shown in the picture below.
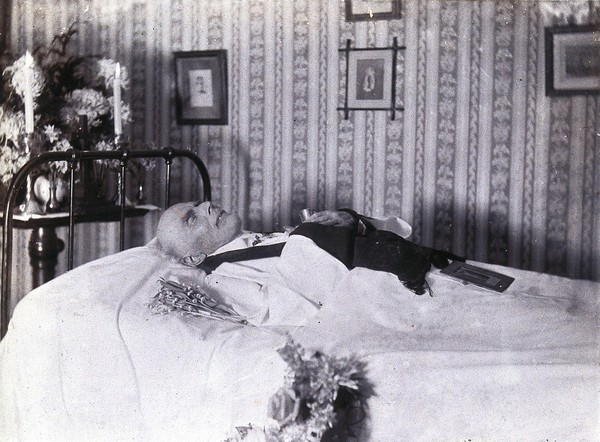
(332, 218)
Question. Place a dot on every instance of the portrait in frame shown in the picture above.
(201, 87)
(572, 60)
(370, 79)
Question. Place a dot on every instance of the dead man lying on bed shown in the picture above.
(204, 235)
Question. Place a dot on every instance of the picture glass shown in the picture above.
(366, 10)
(577, 61)
(370, 79)
(572, 60)
(201, 87)
(371, 6)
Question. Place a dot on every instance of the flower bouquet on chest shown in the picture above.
(52, 100)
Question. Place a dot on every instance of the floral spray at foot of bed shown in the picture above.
(324, 398)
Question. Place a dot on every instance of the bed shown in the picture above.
(86, 358)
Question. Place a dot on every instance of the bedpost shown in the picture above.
(45, 246)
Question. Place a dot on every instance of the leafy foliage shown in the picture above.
(69, 90)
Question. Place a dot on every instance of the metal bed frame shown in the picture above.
(73, 158)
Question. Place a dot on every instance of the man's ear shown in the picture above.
(193, 260)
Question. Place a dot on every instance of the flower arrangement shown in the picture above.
(47, 94)
(174, 296)
(323, 398)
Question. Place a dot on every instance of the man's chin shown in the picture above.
(232, 223)
(237, 225)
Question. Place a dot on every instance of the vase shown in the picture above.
(53, 205)
(91, 192)
(140, 196)
(118, 190)
(140, 179)
(97, 191)
(50, 191)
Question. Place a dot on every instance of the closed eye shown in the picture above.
(190, 218)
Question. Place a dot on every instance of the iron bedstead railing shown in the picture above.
(73, 158)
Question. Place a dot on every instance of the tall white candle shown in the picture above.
(28, 93)
(117, 101)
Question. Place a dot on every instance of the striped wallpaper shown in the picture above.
(481, 162)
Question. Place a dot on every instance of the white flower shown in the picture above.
(11, 125)
(125, 110)
(87, 102)
(104, 145)
(18, 75)
(62, 146)
(58, 116)
(107, 68)
(111, 164)
(51, 132)
(11, 160)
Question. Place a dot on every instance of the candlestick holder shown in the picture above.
(120, 142)
(29, 205)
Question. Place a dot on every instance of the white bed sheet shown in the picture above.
(84, 359)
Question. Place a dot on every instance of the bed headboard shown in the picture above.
(74, 158)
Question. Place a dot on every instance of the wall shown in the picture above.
(4, 23)
(481, 162)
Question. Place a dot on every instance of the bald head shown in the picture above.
(191, 231)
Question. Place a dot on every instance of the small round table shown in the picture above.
(45, 245)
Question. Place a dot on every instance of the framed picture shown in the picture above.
(370, 79)
(361, 10)
(572, 60)
(201, 83)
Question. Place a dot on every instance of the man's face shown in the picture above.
(189, 229)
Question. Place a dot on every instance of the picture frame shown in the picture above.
(370, 78)
(572, 60)
(201, 87)
(364, 10)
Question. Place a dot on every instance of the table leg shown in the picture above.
(44, 247)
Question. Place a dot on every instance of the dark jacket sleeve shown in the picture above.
(365, 246)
